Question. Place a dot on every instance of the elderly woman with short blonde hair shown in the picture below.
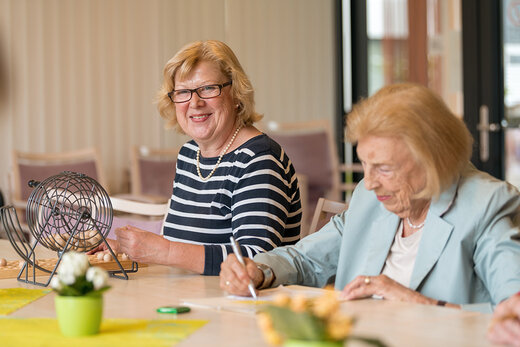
(423, 226)
(220, 55)
(230, 179)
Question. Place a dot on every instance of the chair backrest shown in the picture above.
(39, 166)
(28, 166)
(146, 216)
(325, 210)
(152, 172)
(313, 152)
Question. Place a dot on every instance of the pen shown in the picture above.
(238, 254)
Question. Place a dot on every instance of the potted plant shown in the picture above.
(79, 300)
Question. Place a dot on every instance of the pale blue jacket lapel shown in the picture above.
(382, 235)
(435, 235)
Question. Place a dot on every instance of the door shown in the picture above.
(491, 51)
(483, 84)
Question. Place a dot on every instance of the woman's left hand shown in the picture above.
(142, 246)
(383, 286)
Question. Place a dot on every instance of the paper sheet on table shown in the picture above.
(12, 299)
(247, 304)
(113, 332)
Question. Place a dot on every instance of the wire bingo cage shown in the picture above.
(66, 212)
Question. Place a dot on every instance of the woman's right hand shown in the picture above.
(103, 247)
(505, 325)
(234, 278)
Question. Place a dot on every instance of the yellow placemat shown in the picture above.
(114, 332)
(11, 299)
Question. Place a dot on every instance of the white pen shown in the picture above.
(238, 254)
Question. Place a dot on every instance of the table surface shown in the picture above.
(395, 323)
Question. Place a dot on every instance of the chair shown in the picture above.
(152, 173)
(313, 152)
(28, 166)
(127, 212)
(325, 210)
(39, 166)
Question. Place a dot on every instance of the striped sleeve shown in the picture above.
(266, 210)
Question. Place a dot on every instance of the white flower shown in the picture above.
(73, 265)
(66, 277)
(79, 261)
(98, 277)
(56, 283)
(73, 273)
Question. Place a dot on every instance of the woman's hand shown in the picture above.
(234, 278)
(142, 246)
(114, 245)
(383, 286)
(505, 325)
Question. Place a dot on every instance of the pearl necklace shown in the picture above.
(413, 226)
(219, 158)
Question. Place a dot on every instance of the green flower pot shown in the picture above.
(79, 315)
(306, 343)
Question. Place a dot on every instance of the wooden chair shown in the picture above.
(28, 166)
(152, 173)
(313, 152)
(127, 212)
(325, 210)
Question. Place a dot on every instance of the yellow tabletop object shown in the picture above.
(113, 332)
(12, 299)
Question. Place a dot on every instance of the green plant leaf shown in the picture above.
(296, 325)
(69, 291)
(82, 285)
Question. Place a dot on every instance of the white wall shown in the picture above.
(84, 73)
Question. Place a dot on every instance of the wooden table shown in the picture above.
(397, 324)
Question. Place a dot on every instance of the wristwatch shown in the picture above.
(268, 276)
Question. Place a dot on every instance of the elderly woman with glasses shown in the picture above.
(423, 226)
(231, 179)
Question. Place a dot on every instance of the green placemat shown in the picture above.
(11, 299)
(114, 332)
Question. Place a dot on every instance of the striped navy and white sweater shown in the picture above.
(253, 195)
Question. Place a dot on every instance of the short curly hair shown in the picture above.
(439, 141)
(185, 61)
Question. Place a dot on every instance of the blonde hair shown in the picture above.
(221, 55)
(438, 140)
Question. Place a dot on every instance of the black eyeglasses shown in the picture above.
(204, 92)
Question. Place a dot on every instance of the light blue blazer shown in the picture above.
(465, 254)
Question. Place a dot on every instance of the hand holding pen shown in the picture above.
(238, 254)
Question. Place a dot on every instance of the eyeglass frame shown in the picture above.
(220, 86)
